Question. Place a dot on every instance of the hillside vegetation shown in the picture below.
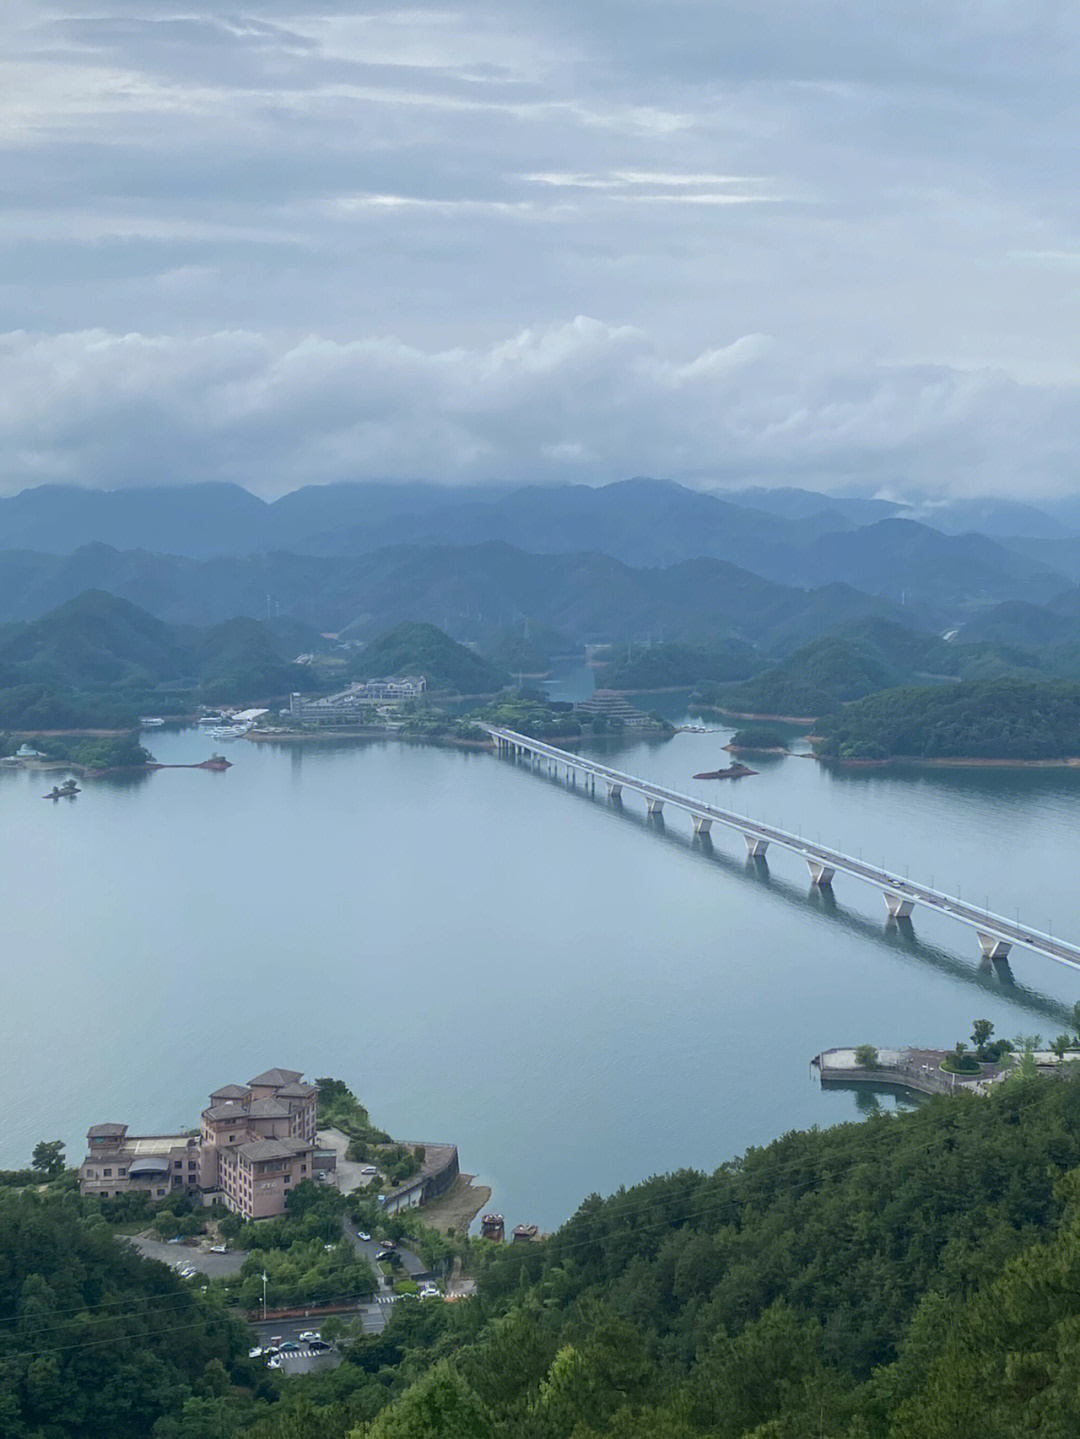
(1006, 718)
(663, 666)
(99, 661)
(913, 1276)
(422, 649)
(822, 674)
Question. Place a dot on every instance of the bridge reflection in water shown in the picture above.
(995, 933)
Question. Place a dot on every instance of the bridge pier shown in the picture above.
(820, 874)
(899, 908)
(992, 947)
(614, 791)
(656, 806)
(702, 824)
(755, 847)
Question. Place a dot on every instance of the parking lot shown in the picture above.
(215, 1266)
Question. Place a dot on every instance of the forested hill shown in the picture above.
(419, 649)
(661, 666)
(913, 1276)
(99, 661)
(827, 672)
(472, 592)
(1006, 719)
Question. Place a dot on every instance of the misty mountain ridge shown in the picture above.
(643, 523)
(472, 593)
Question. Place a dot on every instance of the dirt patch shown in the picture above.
(458, 1207)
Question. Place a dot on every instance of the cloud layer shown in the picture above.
(582, 401)
(283, 246)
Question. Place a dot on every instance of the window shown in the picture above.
(192, 1164)
(179, 1163)
(303, 1169)
(121, 1171)
(106, 1173)
(160, 1193)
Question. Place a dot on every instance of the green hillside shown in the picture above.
(663, 666)
(912, 1276)
(98, 662)
(1005, 718)
(94, 639)
(822, 674)
(421, 649)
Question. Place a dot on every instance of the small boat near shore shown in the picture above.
(151, 721)
(733, 771)
(229, 731)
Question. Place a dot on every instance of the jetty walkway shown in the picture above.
(996, 934)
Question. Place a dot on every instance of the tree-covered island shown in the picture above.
(994, 720)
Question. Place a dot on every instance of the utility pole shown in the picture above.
(264, 1295)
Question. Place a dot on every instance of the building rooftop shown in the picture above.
(272, 1149)
(231, 1091)
(268, 1109)
(106, 1131)
(276, 1077)
(229, 1110)
(297, 1091)
(154, 1143)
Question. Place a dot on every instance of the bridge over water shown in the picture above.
(995, 933)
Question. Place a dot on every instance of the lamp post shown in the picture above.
(264, 1295)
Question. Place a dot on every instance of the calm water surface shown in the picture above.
(576, 997)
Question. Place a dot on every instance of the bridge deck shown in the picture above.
(985, 921)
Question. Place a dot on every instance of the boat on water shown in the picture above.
(205, 721)
(229, 731)
(151, 721)
(733, 771)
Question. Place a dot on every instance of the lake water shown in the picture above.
(576, 997)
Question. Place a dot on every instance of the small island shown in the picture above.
(757, 737)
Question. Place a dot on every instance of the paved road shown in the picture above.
(413, 1265)
(372, 1317)
(984, 920)
(213, 1265)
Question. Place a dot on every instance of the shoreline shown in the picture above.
(954, 762)
(699, 708)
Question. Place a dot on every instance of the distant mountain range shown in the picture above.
(472, 592)
(792, 537)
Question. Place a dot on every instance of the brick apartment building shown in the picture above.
(255, 1143)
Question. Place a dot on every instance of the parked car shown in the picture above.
(255, 1353)
(289, 1346)
(274, 1363)
(365, 1237)
(219, 1249)
(429, 1291)
(310, 1334)
(319, 1346)
(369, 1169)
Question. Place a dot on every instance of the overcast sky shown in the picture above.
(828, 242)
